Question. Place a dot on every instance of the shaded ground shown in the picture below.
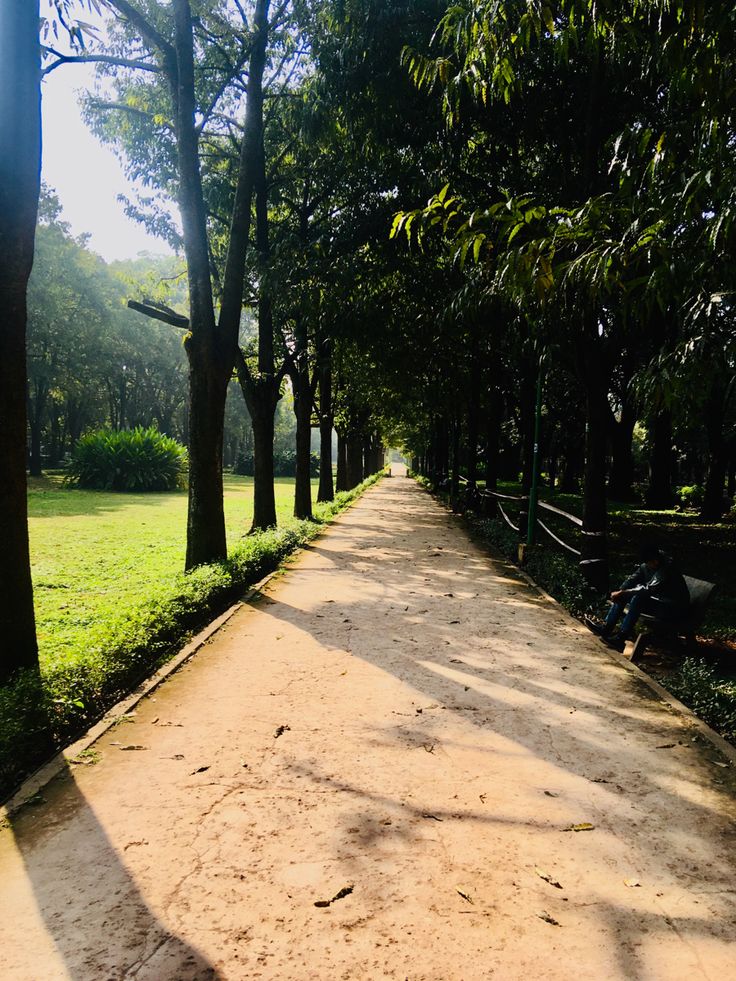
(399, 715)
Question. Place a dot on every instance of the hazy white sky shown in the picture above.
(85, 174)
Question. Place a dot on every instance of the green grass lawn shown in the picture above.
(97, 556)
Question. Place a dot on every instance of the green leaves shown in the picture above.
(129, 460)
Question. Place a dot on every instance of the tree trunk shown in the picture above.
(492, 439)
(474, 410)
(731, 474)
(354, 460)
(326, 491)
(620, 485)
(713, 500)
(455, 463)
(659, 493)
(20, 169)
(36, 412)
(594, 558)
(341, 478)
(303, 413)
(261, 397)
(206, 518)
(367, 457)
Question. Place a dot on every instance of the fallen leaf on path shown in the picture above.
(281, 730)
(550, 793)
(454, 621)
(464, 895)
(200, 769)
(432, 817)
(154, 721)
(723, 766)
(583, 826)
(456, 660)
(547, 878)
(548, 919)
(345, 891)
(632, 883)
(666, 746)
(133, 747)
(451, 595)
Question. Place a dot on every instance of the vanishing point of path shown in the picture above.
(401, 725)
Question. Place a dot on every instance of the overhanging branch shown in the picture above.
(157, 311)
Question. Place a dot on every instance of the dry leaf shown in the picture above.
(548, 919)
(134, 747)
(583, 826)
(547, 878)
(464, 895)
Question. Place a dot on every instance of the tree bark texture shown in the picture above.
(20, 173)
(326, 490)
(594, 558)
(620, 484)
(206, 517)
(341, 477)
(714, 498)
(303, 413)
(354, 460)
(659, 493)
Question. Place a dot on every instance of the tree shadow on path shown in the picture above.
(93, 911)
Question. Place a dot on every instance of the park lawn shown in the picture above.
(97, 557)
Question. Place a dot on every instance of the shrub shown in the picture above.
(284, 464)
(691, 497)
(129, 460)
(711, 698)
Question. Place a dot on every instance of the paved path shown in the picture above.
(400, 716)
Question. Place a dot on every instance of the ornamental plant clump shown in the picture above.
(129, 460)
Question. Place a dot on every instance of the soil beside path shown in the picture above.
(400, 724)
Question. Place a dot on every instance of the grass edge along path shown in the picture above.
(40, 715)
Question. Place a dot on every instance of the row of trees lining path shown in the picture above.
(577, 167)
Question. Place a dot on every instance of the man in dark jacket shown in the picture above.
(657, 588)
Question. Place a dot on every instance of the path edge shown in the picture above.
(702, 728)
(64, 758)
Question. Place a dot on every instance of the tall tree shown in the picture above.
(20, 176)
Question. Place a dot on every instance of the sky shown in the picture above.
(86, 175)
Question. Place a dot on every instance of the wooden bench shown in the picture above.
(701, 592)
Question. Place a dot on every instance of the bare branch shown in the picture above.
(157, 311)
(148, 32)
(62, 59)
(132, 110)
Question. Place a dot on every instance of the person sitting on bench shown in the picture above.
(657, 588)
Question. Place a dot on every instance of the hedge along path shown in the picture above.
(400, 761)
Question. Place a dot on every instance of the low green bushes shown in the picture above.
(713, 699)
(284, 464)
(128, 460)
(38, 714)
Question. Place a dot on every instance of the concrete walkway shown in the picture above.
(401, 725)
